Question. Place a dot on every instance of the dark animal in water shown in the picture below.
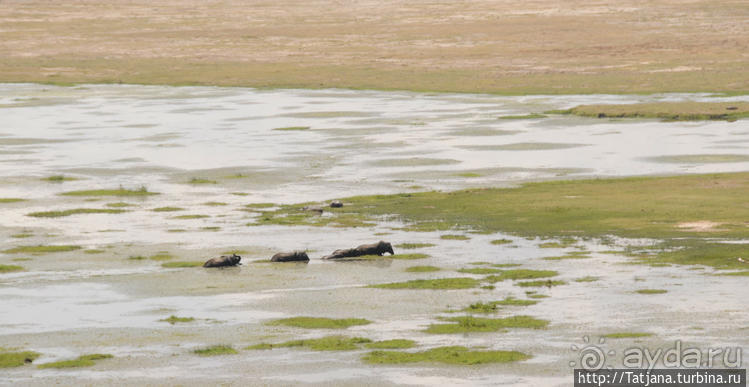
(336, 204)
(294, 256)
(224, 260)
(378, 248)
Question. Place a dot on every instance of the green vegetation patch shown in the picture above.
(409, 246)
(627, 335)
(481, 307)
(214, 204)
(392, 344)
(440, 283)
(10, 268)
(510, 301)
(192, 216)
(11, 200)
(17, 359)
(701, 158)
(161, 256)
(196, 180)
(671, 111)
(216, 350)
(521, 274)
(737, 273)
(540, 283)
(174, 319)
(501, 241)
(651, 291)
(167, 209)
(58, 178)
(81, 361)
(531, 116)
(41, 249)
(180, 264)
(293, 128)
(449, 355)
(142, 191)
(118, 205)
(455, 237)
(422, 269)
(587, 279)
(479, 270)
(327, 343)
(320, 322)
(22, 235)
(466, 324)
(569, 255)
(75, 211)
(93, 251)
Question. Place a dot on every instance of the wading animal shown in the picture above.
(224, 260)
(294, 256)
(378, 248)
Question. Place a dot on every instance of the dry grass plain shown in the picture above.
(496, 46)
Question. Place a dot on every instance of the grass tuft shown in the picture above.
(75, 211)
(410, 246)
(319, 322)
(392, 344)
(17, 359)
(216, 350)
(81, 361)
(10, 268)
(180, 264)
(41, 249)
(422, 269)
(174, 319)
(466, 324)
(450, 355)
(440, 283)
(651, 291)
(327, 343)
(521, 274)
(454, 237)
(142, 191)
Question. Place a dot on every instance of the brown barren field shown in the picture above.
(497, 46)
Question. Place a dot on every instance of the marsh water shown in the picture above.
(213, 151)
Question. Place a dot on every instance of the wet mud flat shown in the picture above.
(112, 194)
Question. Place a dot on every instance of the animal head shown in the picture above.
(234, 259)
(385, 247)
(301, 254)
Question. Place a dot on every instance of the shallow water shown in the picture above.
(358, 142)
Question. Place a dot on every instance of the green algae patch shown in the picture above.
(410, 246)
(392, 344)
(627, 335)
(736, 274)
(440, 283)
(422, 269)
(10, 268)
(587, 279)
(319, 322)
(670, 111)
(466, 324)
(479, 270)
(58, 178)
(531, 116)
(521, 274)
(142, 191)
(167, 209)
(181, 264)
(501, 241)
(11, 200)
(196, 180)
(510, 301)
(17, 359)
(175, 320)
(42, 249)
(216, 350)
(541, 283)
(293, 128)
(192, 216)
(651, 291)
(455, 237)
(327, 343)
(81, 361)
(75, 211)
(450, 355)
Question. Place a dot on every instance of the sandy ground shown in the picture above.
(540, 46)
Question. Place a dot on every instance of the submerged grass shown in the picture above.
(422, 269)
(392, 344)
(58, 178)
(651, 291)
(319, 322)
(180, 264)
(409, 246)
(167, 209)
(449, 355)
(523, 117)
(501, 241)
(440, 283)
(11, 200)
(541, 283)
(174, 319)
(293, 128)
(466, 324)
(626, 335)
(479, 270)
(41, 249)
(455, 237)
(327, 343)
(142, 191)
(521, 274)
(75, 211)
(10, 268)
(17, 359)
(81, 361)
(216, 350)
